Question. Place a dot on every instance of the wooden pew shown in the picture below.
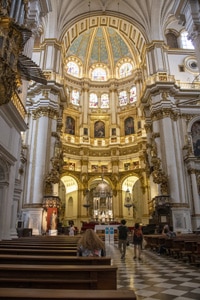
(49, 294)
(53, 260)
(32, 251)
(102, 277)
(38, 246)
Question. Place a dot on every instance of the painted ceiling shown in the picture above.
(100, 45)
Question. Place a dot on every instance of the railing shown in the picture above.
(19, 105)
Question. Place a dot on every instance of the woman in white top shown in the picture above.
(71, 230)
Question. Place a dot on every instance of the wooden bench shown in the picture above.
(53, 260)
(49, 294)
(58, 277)
(38, 246)
(32, 251)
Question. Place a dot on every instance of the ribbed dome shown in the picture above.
(99, 45)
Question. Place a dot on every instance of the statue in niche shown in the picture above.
(70, 126)
(99, 129)
(129, 126)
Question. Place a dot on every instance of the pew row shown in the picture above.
(53, 260)
(83, 277)
(32, 251)
(39, 246)
(49, 294)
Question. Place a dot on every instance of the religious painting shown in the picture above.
(99, 129)
(70, 126)
(129, 126)
(195, 130)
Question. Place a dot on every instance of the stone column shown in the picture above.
(196, 202)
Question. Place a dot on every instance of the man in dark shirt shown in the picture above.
(122, 238)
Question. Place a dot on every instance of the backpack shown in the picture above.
(138, 236)
(123, 232)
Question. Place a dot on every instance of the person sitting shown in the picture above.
(168, 233)
(90, 244)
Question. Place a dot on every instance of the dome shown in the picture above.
(100, 45)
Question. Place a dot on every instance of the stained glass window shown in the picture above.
(73, 69)
(99, 74)
(93, 102)
(104, 101)
(133, 97)
(75, 97)
(123, 98)
(125, 70)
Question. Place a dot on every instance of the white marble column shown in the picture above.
(196, 200)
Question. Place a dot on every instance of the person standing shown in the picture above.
(122, 238)
(71, 230)
(137, 240)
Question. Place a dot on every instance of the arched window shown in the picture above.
(123, 98)
(75, 97)
(133, 97)
(99, 74)
(172, 40)
(104, 101)
(93, 102)
(73, 69)
(70, 126)
(125, 70)
(185, 43)
(195, 131)
(99, 129)
(129, 126)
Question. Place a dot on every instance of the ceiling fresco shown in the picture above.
(99, 45)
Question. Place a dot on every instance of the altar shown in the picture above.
(104, 226)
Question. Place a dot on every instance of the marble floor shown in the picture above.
(155, 277)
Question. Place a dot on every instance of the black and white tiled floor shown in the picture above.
(155, 277)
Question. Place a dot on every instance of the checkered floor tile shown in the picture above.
(155, 277)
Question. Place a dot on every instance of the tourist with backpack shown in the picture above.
(137, 240)
(122, 238)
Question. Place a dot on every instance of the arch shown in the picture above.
(70, 183)
(171, 38)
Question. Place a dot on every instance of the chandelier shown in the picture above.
(128, 203)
